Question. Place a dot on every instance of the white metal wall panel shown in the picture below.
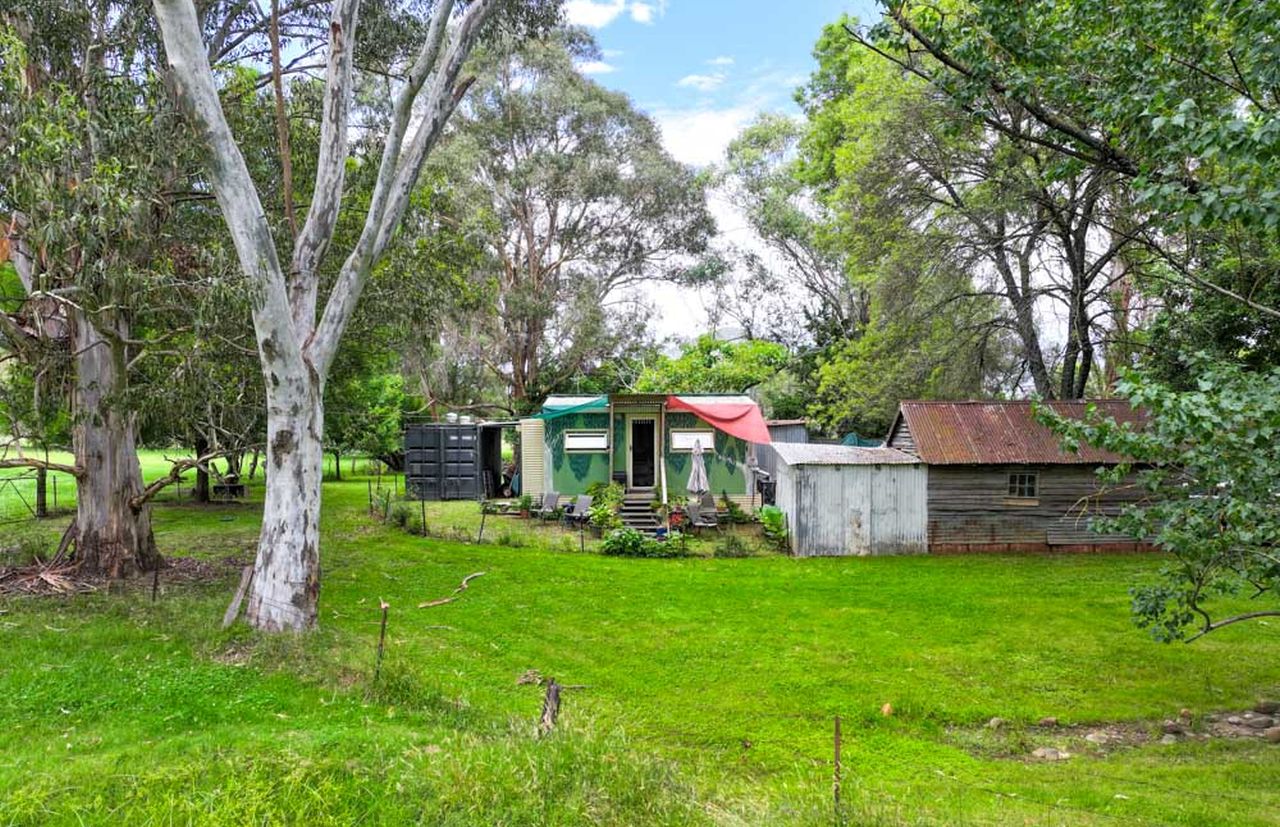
(533, 460)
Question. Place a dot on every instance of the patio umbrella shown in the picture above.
(698, 473)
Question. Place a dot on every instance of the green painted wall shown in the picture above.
(571, 473)
(726, 466)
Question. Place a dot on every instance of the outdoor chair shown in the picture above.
(550, 507)
(700, 518)
(576, 512)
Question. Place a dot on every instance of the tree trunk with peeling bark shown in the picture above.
(295, 348)
(113, 539)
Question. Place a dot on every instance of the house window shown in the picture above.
(586, 440)
(1024, 486)
(684, 440)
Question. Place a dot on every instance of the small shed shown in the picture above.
(780, 430)
(844, 500)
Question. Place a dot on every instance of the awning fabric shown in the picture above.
(740, 419)
(599, 403)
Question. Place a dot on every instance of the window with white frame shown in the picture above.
(586, 440)
(1024, 486)
(684, 440)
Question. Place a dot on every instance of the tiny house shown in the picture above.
(643, 441)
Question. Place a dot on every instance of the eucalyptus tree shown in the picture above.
(1037, 236)
(577, 203)
(297, 337)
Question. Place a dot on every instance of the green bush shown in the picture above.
(774, 524)
(627, 542)
(606, 501)
(733, 512)
(525, 503)
(400, 515)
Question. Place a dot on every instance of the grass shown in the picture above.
(710, 691)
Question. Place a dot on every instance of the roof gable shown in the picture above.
(996, 433)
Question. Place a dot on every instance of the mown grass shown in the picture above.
(710, 691)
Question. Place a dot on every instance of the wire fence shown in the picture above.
(22, 499)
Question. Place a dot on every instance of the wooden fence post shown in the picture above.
(370, 497)
(550, 708)
(382, 639)
(423, 503)
(246, 576)
(484, 512)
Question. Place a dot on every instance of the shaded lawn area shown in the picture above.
(711, 685)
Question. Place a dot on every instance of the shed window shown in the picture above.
(1024, 486)
(586, 440)
(684, 440)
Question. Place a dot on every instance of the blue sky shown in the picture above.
(704, 68)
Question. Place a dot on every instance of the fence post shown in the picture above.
(42, 501)
(484, 512)
(382, 639)
(55, 493)
(370, 497)
(423, 503)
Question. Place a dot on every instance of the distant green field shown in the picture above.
(709, 691)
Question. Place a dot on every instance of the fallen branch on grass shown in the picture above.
(466, 581)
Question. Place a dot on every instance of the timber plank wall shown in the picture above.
(970, 510)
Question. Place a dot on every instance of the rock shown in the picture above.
(1267, 707)
(1260, 722)
(1049, 721)
(1050, 754)
(1235, 720)
(995, 723)
(1169, 739)
(1172, 728)
(1097, 737)
(1272, 735)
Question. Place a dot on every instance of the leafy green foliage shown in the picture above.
(774, 524)
(1208, 463)
(627, 542)
(709, 365)
(606, 501)
(731, 546)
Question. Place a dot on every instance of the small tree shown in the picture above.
(1208, 463)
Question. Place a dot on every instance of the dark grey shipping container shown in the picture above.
(442, 462)
(453, 462)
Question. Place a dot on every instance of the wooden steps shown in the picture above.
(637, 512)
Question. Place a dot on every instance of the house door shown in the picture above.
(643, 460)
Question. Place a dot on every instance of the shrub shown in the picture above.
(731, 545)
(678, 543)
(400, 514)
(627, 542)
(606, 501)
(525, 503)
(733, 512)
(510, 540)
(774, 524)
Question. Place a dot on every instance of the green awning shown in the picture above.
(552, 411)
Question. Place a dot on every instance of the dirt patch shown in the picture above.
(63, 579)
(1051, 741)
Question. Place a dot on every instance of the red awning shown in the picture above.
(740, 419)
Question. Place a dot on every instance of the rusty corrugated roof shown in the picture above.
(982, 433)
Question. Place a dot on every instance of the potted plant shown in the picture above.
(525, 505)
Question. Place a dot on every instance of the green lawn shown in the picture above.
(710, 690)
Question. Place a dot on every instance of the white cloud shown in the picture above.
(596, 14)
(642, 12)
(700, 136)
(703, 83)
(722, 60)
(596, 67)
(593, 14)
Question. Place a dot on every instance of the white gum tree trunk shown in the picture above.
(113, 538)
(286, 576)
(295, 347)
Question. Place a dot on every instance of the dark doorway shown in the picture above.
(643, 465)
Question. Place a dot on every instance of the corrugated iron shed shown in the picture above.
(979, 433)
(826, 454)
